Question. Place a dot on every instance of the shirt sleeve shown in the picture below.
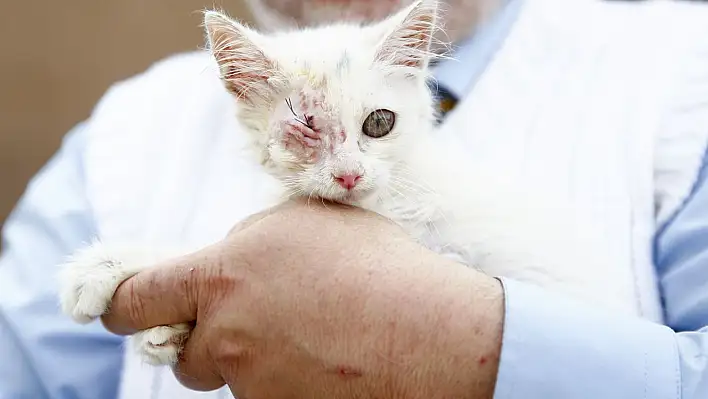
(682, 265)
(45, 354)
(554, 347)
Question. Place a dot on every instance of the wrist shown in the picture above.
(461, 314)
(475, 336)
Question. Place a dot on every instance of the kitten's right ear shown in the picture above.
(245, 69)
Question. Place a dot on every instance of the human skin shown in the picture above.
(322, 301)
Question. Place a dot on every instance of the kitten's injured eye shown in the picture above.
(379, 123)
(308, 119)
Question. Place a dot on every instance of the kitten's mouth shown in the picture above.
(352, 196)
(349, 196)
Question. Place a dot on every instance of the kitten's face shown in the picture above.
(343, 138)
(334, 109)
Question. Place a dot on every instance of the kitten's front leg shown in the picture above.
(88, 281)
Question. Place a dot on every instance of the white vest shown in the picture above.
(603, 102)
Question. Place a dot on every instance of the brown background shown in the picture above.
(59, 57)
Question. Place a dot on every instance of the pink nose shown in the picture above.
(347, 181)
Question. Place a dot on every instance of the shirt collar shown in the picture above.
(470, 57)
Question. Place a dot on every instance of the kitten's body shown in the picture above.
(343, 112)
(495, 225)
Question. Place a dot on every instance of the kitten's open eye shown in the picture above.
(379, 123)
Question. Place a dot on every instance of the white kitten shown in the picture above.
(343, 112)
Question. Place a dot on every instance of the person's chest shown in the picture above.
(562, 108)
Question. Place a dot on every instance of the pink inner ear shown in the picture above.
(409, 44)
(417, 36)
(243, 73)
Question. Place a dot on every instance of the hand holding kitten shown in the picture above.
(314, 301)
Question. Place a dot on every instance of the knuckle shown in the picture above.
(224, 277)
(136, 306)
(220, 273)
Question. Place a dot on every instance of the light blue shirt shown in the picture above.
(552, 347)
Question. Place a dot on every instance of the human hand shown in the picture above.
(313, 301)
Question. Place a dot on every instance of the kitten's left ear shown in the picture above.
(245, 69)
(408, 35)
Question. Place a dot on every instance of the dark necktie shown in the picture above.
(444, 99)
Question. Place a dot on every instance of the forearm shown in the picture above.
(43, 354)
(18, 379)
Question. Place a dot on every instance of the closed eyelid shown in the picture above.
(305, 120)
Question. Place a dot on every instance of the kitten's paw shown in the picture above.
(161, 345)
(88, 280)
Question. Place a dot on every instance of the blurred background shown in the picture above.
(58, 58)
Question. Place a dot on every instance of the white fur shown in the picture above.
(412, 176)
(91, 276)
(500, 228)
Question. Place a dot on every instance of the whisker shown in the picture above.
(289, 103)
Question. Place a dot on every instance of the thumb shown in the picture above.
(167, 293)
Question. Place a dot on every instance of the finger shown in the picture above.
(196, 368)
(165, 294)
